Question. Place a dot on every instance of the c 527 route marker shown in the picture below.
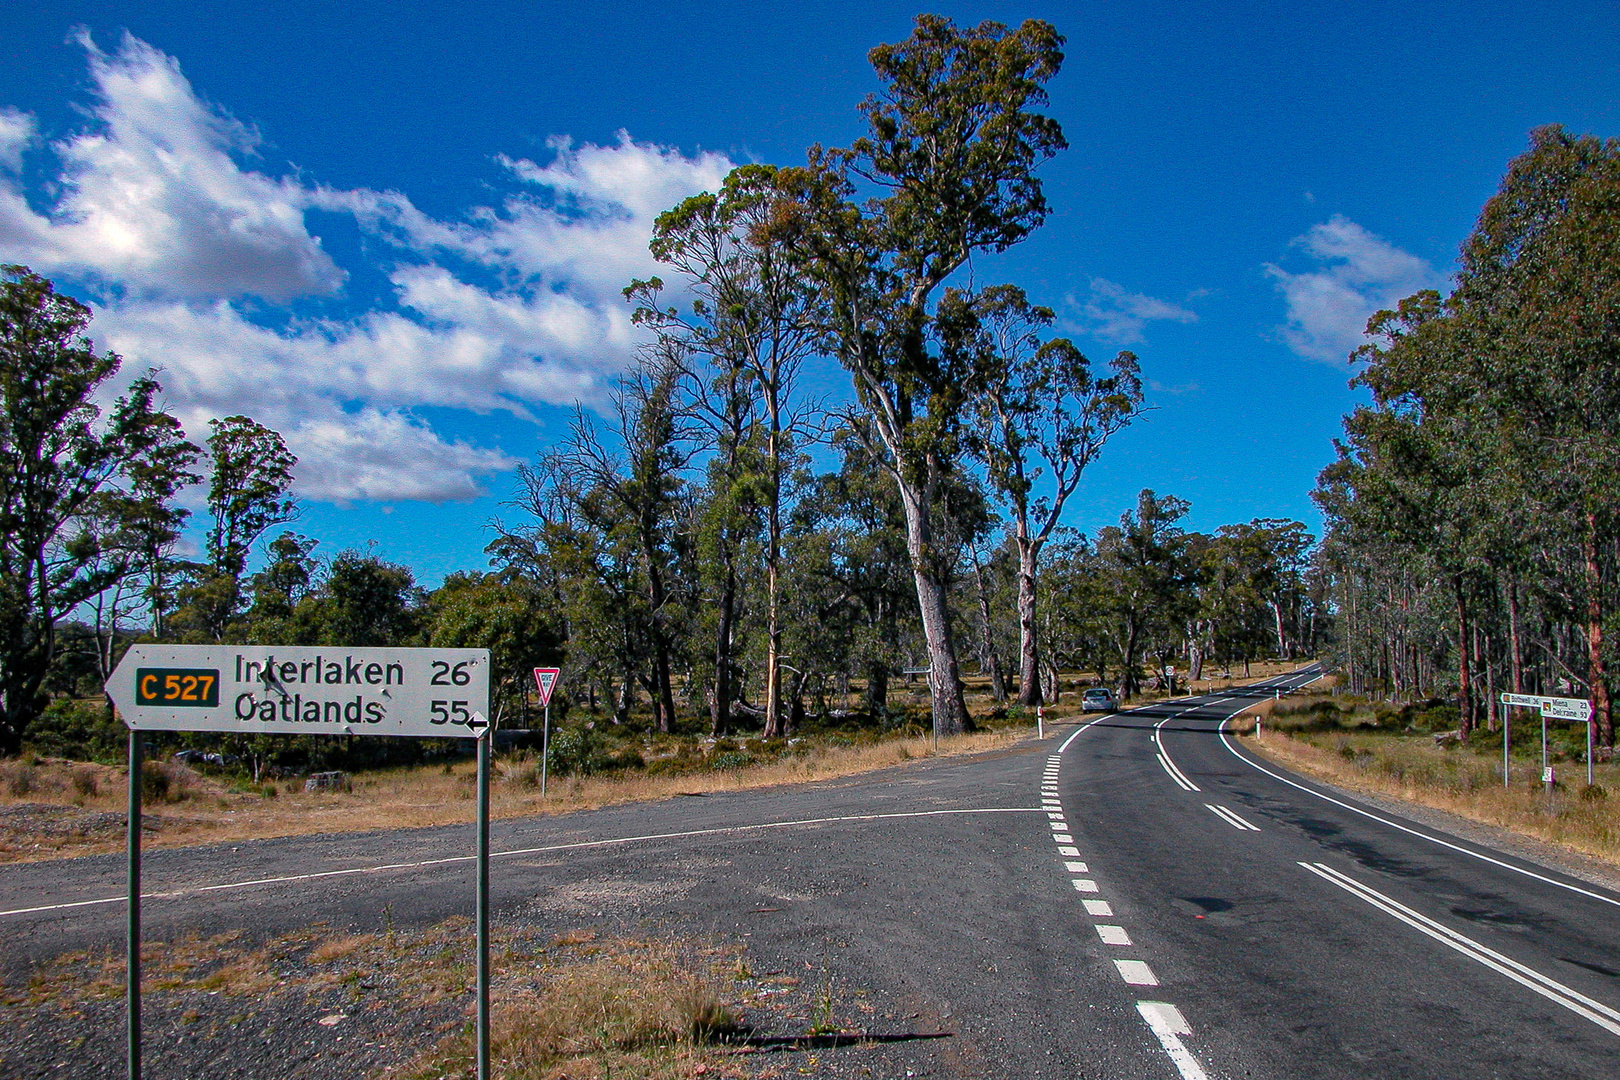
(261, 689)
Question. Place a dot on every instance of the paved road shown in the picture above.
(1146, 901)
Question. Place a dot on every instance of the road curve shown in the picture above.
(1133, 897)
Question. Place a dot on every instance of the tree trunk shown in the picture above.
(1029, 666)
(720, 692)
(944, 675)
(877, 688)
(1597, 671)
(1282, 639)
(1515, 654)
(989, 658)
(945, 679)
(1465, 692)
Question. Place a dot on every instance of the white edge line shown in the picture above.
(353, 870)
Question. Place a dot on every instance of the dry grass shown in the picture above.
(629, 1009)
(575, 1007)
(1460, 781)
(209, 812)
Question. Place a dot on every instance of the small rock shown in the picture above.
(331, 1021)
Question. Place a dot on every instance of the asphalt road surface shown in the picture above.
(1133, 897)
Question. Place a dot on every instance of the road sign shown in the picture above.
(303, 690)
(546, 678)
(1566, 709)
(1530, 700)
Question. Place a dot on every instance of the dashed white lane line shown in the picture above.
(1061, 838)
(1069, 852)
(579, 845)
(1168, 1025)
(1165, 1020)
(1136, 972)
(1230, 817)
(1597, 1012)
(1076, 868)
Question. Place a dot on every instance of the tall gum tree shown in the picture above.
(749, 323)
(954, 139)
(1041, 418)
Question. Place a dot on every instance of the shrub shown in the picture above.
(81, 730)
(19, 778)
(84, 780)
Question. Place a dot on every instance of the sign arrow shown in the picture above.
(477, 722)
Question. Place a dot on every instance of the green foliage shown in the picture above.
(512, 617)
(79, 730)
(60, 462)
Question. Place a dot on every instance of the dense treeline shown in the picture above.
(1472, 513)
(718, 546)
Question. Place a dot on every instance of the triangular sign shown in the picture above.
(546, 678)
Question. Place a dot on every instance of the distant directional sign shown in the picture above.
(1566, 709)
(1553, 708)
(292, 690)
(546, 679)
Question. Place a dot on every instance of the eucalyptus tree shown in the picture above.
(634, 489)
(58, 457)
(953, 141)
(748, 322)
(1041, 418)
(1539, 295)
(1147, 573)
(249, 492)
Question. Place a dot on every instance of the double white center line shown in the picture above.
(1170, 766)
(1230, 817)
(1576, 1002)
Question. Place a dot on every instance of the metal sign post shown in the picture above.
(1556, 708)
(483, 904)
(1507, 722)
(252, 689)
(546, 679)
(132, 936)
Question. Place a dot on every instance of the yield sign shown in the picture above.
(546, 678)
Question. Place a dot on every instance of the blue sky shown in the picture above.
(397, 232)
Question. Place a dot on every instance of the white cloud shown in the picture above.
(153, 200)
(16, 132)
(1119, 317)
(154, 210)
(1328, 308)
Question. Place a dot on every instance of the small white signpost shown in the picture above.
(262, 689)
(545, 678)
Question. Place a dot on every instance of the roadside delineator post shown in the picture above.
(1040, 721)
